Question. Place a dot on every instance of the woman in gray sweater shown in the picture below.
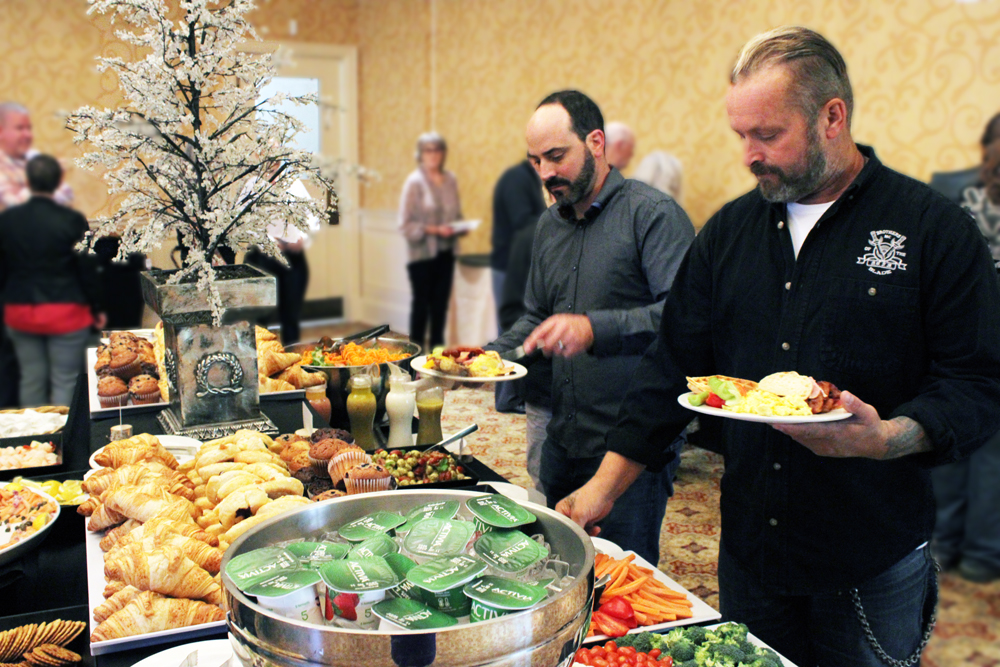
(427, 207)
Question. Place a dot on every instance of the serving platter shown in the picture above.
(211, 653)
(832, 416)
(21, 548)
(418, 363)
(700, 612)
(95, 596)
(182, 447)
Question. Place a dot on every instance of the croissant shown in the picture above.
(163, 570)
(266, 385)
(132, 450)
(135, 473)
(149, 612)
(143, 503)
(115, 602)
(104, 517)
(264, 335)
(185, 528)
(300, 378)
(113, 587)
(157, 533)
(87, 507)
(272, 362)
(112, 537)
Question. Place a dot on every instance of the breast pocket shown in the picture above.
(869, 326)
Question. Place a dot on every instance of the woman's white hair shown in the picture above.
(430, 139)
(663, 171)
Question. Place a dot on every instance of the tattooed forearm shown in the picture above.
(905, 437)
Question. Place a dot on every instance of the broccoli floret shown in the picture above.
(748, 648)
(696, 635)
(688, 663)
(674, 636)
(732, 631)
(702, 655)
(682, 650)
(763, 661)
(640, 641)
(659, 641)
(726, 654)
(765, 652)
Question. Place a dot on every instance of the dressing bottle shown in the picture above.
(400, 404)
(361, 406)
(430, 402)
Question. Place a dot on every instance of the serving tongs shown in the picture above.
(328, 344)
(460, 436)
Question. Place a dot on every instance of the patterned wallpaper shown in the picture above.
(926, 76)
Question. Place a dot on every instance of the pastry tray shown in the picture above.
(95, 596)
(21, 440)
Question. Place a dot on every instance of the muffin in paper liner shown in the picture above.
(346, 460)
(367, 478)
(147, 398)
(112, 392)
(323, 452)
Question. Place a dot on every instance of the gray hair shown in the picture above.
(616, 131)
(7, 108)
(663, 171)
(430, 139)
(818, 70)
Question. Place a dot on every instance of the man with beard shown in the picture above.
(603, 260)
(839, 268)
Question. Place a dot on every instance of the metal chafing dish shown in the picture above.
(547, 635)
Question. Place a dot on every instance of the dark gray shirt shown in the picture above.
(615, 266)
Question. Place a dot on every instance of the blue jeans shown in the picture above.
(825, 630)
(635, 520)
(968, 508)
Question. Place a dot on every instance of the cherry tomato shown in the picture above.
(655, 653)
(611, 646)
(627, 650)
(601, 662)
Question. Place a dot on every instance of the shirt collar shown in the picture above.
(612, 184)
(872, 164)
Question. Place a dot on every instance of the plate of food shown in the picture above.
(779, 398)
(468, 364)
(25, 516)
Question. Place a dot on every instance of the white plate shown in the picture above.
(832, 416)
(24, 546)
(95, 596)
(757, 642)
(417, 364)
(182, 447)
(211, 653)
(700, 612)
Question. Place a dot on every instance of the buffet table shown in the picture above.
(51, 581)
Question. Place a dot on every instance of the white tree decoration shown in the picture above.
(215, 163)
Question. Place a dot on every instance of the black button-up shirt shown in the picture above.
(893, 298)
(615, 266)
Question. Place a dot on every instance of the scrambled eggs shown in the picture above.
(766, 404)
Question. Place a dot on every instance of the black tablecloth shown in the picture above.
(40, 586)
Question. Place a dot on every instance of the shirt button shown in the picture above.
(788, 285)
(786, 347)
(566, 381)
(777, 466)
(574, 268)
(570, 416)
(871, 291)
(781, 225)
(773, 522)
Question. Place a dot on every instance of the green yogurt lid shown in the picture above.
(378, 523)
(509, 550)
(439, 509)
(254, 566)
(284, 583)
(400, 564)
(412, 615)
(499, 511)
(380, 545)
(442, 574)
(503, 593)
(361, 575)
(439, 537)
(314, 554)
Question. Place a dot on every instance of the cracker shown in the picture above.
(6, 639)
(65, 656)
(23, 638)
(73, 631)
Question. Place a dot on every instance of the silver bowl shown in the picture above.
(547, 635)
(338, 377)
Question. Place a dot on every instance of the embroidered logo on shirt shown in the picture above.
(884, 254)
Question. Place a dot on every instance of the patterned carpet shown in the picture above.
(968, 629)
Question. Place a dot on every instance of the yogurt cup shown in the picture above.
(441, 580)
(498, 596)
(255, 566)
(438, 538)
(353, 586)
(510, 553)
(412, 615)
(497, 512)
(380, 545)
(401, 564)
(314, 555)
(439, 509)
(378, 523)
(292, 594)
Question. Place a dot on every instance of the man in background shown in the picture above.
(603, 261)
(953, 184)
(517, 203)
(15, 150)
(621, 145)
(967, 530)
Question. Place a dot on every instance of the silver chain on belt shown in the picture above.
(879, 651)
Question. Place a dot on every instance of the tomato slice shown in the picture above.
(714, 401)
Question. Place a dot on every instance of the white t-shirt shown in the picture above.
(801, 219)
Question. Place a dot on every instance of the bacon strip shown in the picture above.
(827, 400)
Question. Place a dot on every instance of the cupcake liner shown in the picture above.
(355, 486)
(145, 398)
(128, 371)
(119, 401)
(319, 465)
(340, 464)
